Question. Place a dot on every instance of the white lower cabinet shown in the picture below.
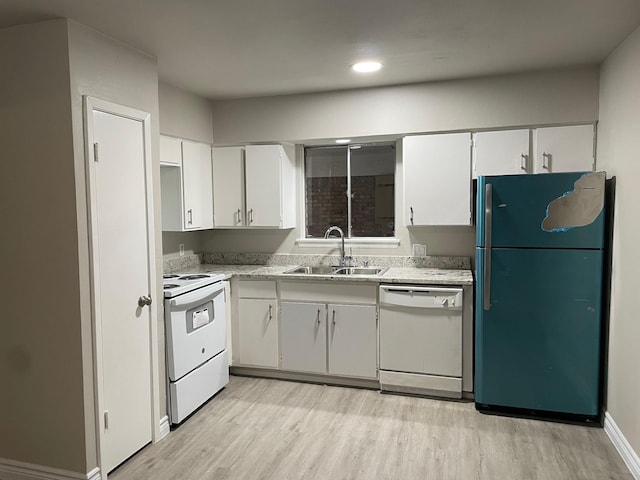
(257, 324)
(317, 336)
(303, 337)
(352, 340)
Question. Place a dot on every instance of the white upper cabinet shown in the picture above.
(564, 149)
(505, 152)
(270, 186)
(437, 179)
(170, 151)
(228, 187)
(186, 185)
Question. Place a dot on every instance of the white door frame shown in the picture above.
(91, 104)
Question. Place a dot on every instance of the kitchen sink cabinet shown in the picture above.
(303, 328)
(257, 324)
(254, 186)
(186, 185)
(329, 328)
(564, 149)
(352, 340)
(437, 179)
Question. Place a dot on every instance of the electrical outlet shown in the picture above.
(419, 250)
(181, 246)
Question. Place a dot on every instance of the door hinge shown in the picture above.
(106, 419)
(95, 152)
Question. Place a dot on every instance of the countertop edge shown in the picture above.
(394, 275)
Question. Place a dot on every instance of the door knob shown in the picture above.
(144, 300)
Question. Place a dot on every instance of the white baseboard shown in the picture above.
(14, 470)
(619, 441)
(164, 427)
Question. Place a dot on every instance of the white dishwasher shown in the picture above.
(421, 340)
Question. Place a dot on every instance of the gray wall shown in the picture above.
(529, 99)
(107, 69)
(47, 416)
(42, 417)
(184, 115)
(619, 130)
(546, 98)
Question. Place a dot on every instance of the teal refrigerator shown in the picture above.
(538, 298)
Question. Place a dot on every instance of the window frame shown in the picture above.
(366, 242)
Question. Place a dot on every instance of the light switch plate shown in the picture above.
(419, 250)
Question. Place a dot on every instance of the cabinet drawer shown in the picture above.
(333, 292)
(256, 289)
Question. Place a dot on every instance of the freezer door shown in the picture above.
(559, 210)
(538, 342)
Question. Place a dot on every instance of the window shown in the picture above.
(351, 187)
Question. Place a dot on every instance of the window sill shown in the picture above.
(365, 242)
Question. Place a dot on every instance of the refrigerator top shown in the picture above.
(555, 210)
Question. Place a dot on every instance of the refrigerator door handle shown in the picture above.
(488, 199)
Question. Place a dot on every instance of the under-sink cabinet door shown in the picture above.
(352, 340)
(258, 332)
(303, 336)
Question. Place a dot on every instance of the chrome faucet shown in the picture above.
(335, 228)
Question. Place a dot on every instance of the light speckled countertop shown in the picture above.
(408, 275)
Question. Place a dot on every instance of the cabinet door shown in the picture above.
(564, 149)
(303, 337)
(263, 186)
(258, 332)
(228, 184)
(197, 186)
(352, 340)
(437, 179)
(501, 153)
(170, 151)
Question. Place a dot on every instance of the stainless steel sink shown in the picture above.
(360, 271)
(325, 270)
(320, 270)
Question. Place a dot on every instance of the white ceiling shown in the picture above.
(244, 48)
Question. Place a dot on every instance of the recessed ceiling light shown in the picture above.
(366, 67)
(343, 140)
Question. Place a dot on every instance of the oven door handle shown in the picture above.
(196, 297)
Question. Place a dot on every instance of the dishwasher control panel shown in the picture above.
(420, 296)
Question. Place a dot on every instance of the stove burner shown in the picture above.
(169, 285)
(169, 276)
(193, 277)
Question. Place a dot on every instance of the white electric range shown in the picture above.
(196, 341)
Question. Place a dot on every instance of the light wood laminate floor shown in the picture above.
(269, 429)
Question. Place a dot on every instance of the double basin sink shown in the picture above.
(346, 271)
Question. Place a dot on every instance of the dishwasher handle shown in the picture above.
(421, 296)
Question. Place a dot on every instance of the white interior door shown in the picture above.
(121, 260)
